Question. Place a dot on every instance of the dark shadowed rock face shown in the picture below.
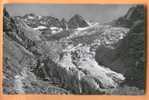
(64, 24)
(129, 54)
(77, 21)
(134, 14)
(6, 13)
(8, 22)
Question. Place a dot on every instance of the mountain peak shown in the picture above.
(30, 16)
(77, 16)
(5, 12)
(77, 21)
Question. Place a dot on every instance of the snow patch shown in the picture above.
(30, 17)
(55, 30)
(40, 28)
(91, 25)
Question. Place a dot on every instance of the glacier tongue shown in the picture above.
(77, 68)
(80, 62)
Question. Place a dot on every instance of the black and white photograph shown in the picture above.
(74, 49)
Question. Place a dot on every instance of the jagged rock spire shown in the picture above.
(64, 24)
(5, 12)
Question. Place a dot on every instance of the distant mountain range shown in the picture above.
(49, 21)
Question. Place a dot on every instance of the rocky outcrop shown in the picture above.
(64, 24)
(77, 21)
(135, 13)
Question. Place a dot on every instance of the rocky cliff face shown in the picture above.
(129, 54)
(81, 59)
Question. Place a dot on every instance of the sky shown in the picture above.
(95, 12)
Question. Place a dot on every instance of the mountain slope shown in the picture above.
(129, 54)
(18, 64)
